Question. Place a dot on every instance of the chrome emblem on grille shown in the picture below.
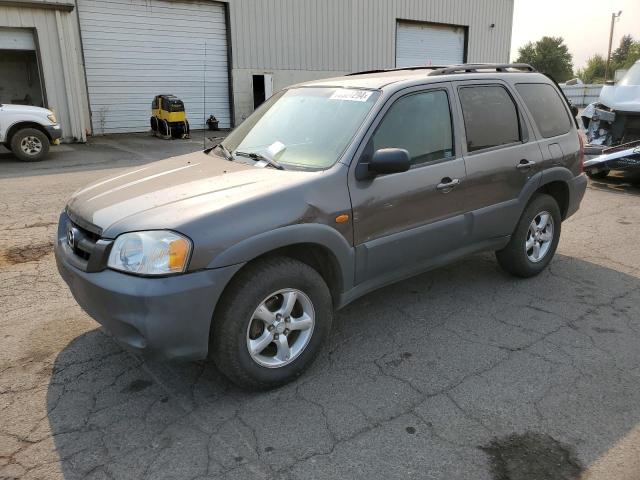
(71, 237)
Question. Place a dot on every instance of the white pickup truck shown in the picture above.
(28, 131)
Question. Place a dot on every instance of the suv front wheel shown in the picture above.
(535, 239)
(271, 323)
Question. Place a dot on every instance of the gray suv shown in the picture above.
(330, 190)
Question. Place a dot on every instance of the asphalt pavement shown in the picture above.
(460, 373)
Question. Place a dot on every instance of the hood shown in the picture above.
(624, 98)
(173, 191)
(24, 109)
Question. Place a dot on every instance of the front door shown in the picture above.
(403, 221)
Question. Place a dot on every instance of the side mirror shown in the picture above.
(384, 161)
(574, 111)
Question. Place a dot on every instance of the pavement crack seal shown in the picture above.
(532, 456)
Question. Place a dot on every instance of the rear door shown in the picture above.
(405, 219)
(553, 123)
(500, 155)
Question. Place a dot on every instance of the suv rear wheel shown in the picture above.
(535, 239)
(271, 323)
(29, 145)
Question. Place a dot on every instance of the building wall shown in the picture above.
(297, 40)
(58, 43)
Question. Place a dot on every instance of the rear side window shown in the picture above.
(490, 117)
(419, 123)
(547, 108)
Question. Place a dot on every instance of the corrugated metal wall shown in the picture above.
(349, 35)
(58, 42)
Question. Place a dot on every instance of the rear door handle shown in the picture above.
(447, 184)
(525, 164)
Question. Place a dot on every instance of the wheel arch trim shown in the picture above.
(317, 234)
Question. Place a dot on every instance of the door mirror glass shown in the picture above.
(390, 160)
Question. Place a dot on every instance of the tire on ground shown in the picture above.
(20, 135)
(513, 258)
(228, 343)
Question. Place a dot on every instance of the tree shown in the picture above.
(548, 55)
(594, 71)
(620, 54)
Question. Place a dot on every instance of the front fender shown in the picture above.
(313, 233)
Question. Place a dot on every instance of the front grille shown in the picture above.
(85, 241)
(85, 248)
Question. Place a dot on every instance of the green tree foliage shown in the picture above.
(594, 71)
(619, 55)
(626, 54)
(548, 55)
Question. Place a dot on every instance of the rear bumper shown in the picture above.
(161, 318)
(577, 188)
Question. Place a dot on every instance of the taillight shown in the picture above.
(581, 155)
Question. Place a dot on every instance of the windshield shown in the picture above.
(632, 77)
(306, 128)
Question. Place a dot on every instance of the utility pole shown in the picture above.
(614, 17)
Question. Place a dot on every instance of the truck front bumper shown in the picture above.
(162, 318)
(55, 133)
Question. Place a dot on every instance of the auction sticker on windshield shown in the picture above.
(351, 95)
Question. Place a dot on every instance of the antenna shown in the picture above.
(204, 97)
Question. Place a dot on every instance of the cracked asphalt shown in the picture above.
(460, 373)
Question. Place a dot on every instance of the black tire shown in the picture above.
(154, 124)
(598, 175)
(164, 129)
(514, 258)
(35, 148)
(252, 285)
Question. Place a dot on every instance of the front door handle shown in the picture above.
(447, 184)
(525, 164)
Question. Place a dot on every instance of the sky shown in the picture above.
(584, 24)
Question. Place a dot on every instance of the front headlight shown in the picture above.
(156, 252)
(52, 118)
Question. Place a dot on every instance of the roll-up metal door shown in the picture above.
(136, 49)
(429, 44)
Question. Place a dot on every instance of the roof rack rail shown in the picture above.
(382, 70)
(480, 67)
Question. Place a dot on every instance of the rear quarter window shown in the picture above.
(546, 107)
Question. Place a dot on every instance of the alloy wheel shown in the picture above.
(280, 328)
(31, 145)
(539, 237)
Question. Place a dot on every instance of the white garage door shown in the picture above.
(428, 44)
(136, 49)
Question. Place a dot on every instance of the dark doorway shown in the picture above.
(20, 83)
(258, 90)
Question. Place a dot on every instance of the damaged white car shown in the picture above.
(614, 121)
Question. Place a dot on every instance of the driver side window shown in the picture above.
(421, 124)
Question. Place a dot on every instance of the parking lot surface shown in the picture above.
(460, 373)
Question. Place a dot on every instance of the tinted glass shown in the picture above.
(490, 117)
(547, 108)
(419, 123)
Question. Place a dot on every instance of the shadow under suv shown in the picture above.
(331, 189)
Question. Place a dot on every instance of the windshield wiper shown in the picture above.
(258, 156)
(225, 151)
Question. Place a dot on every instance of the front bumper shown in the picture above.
(577, 188)
(163, 318)
(55, 133)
